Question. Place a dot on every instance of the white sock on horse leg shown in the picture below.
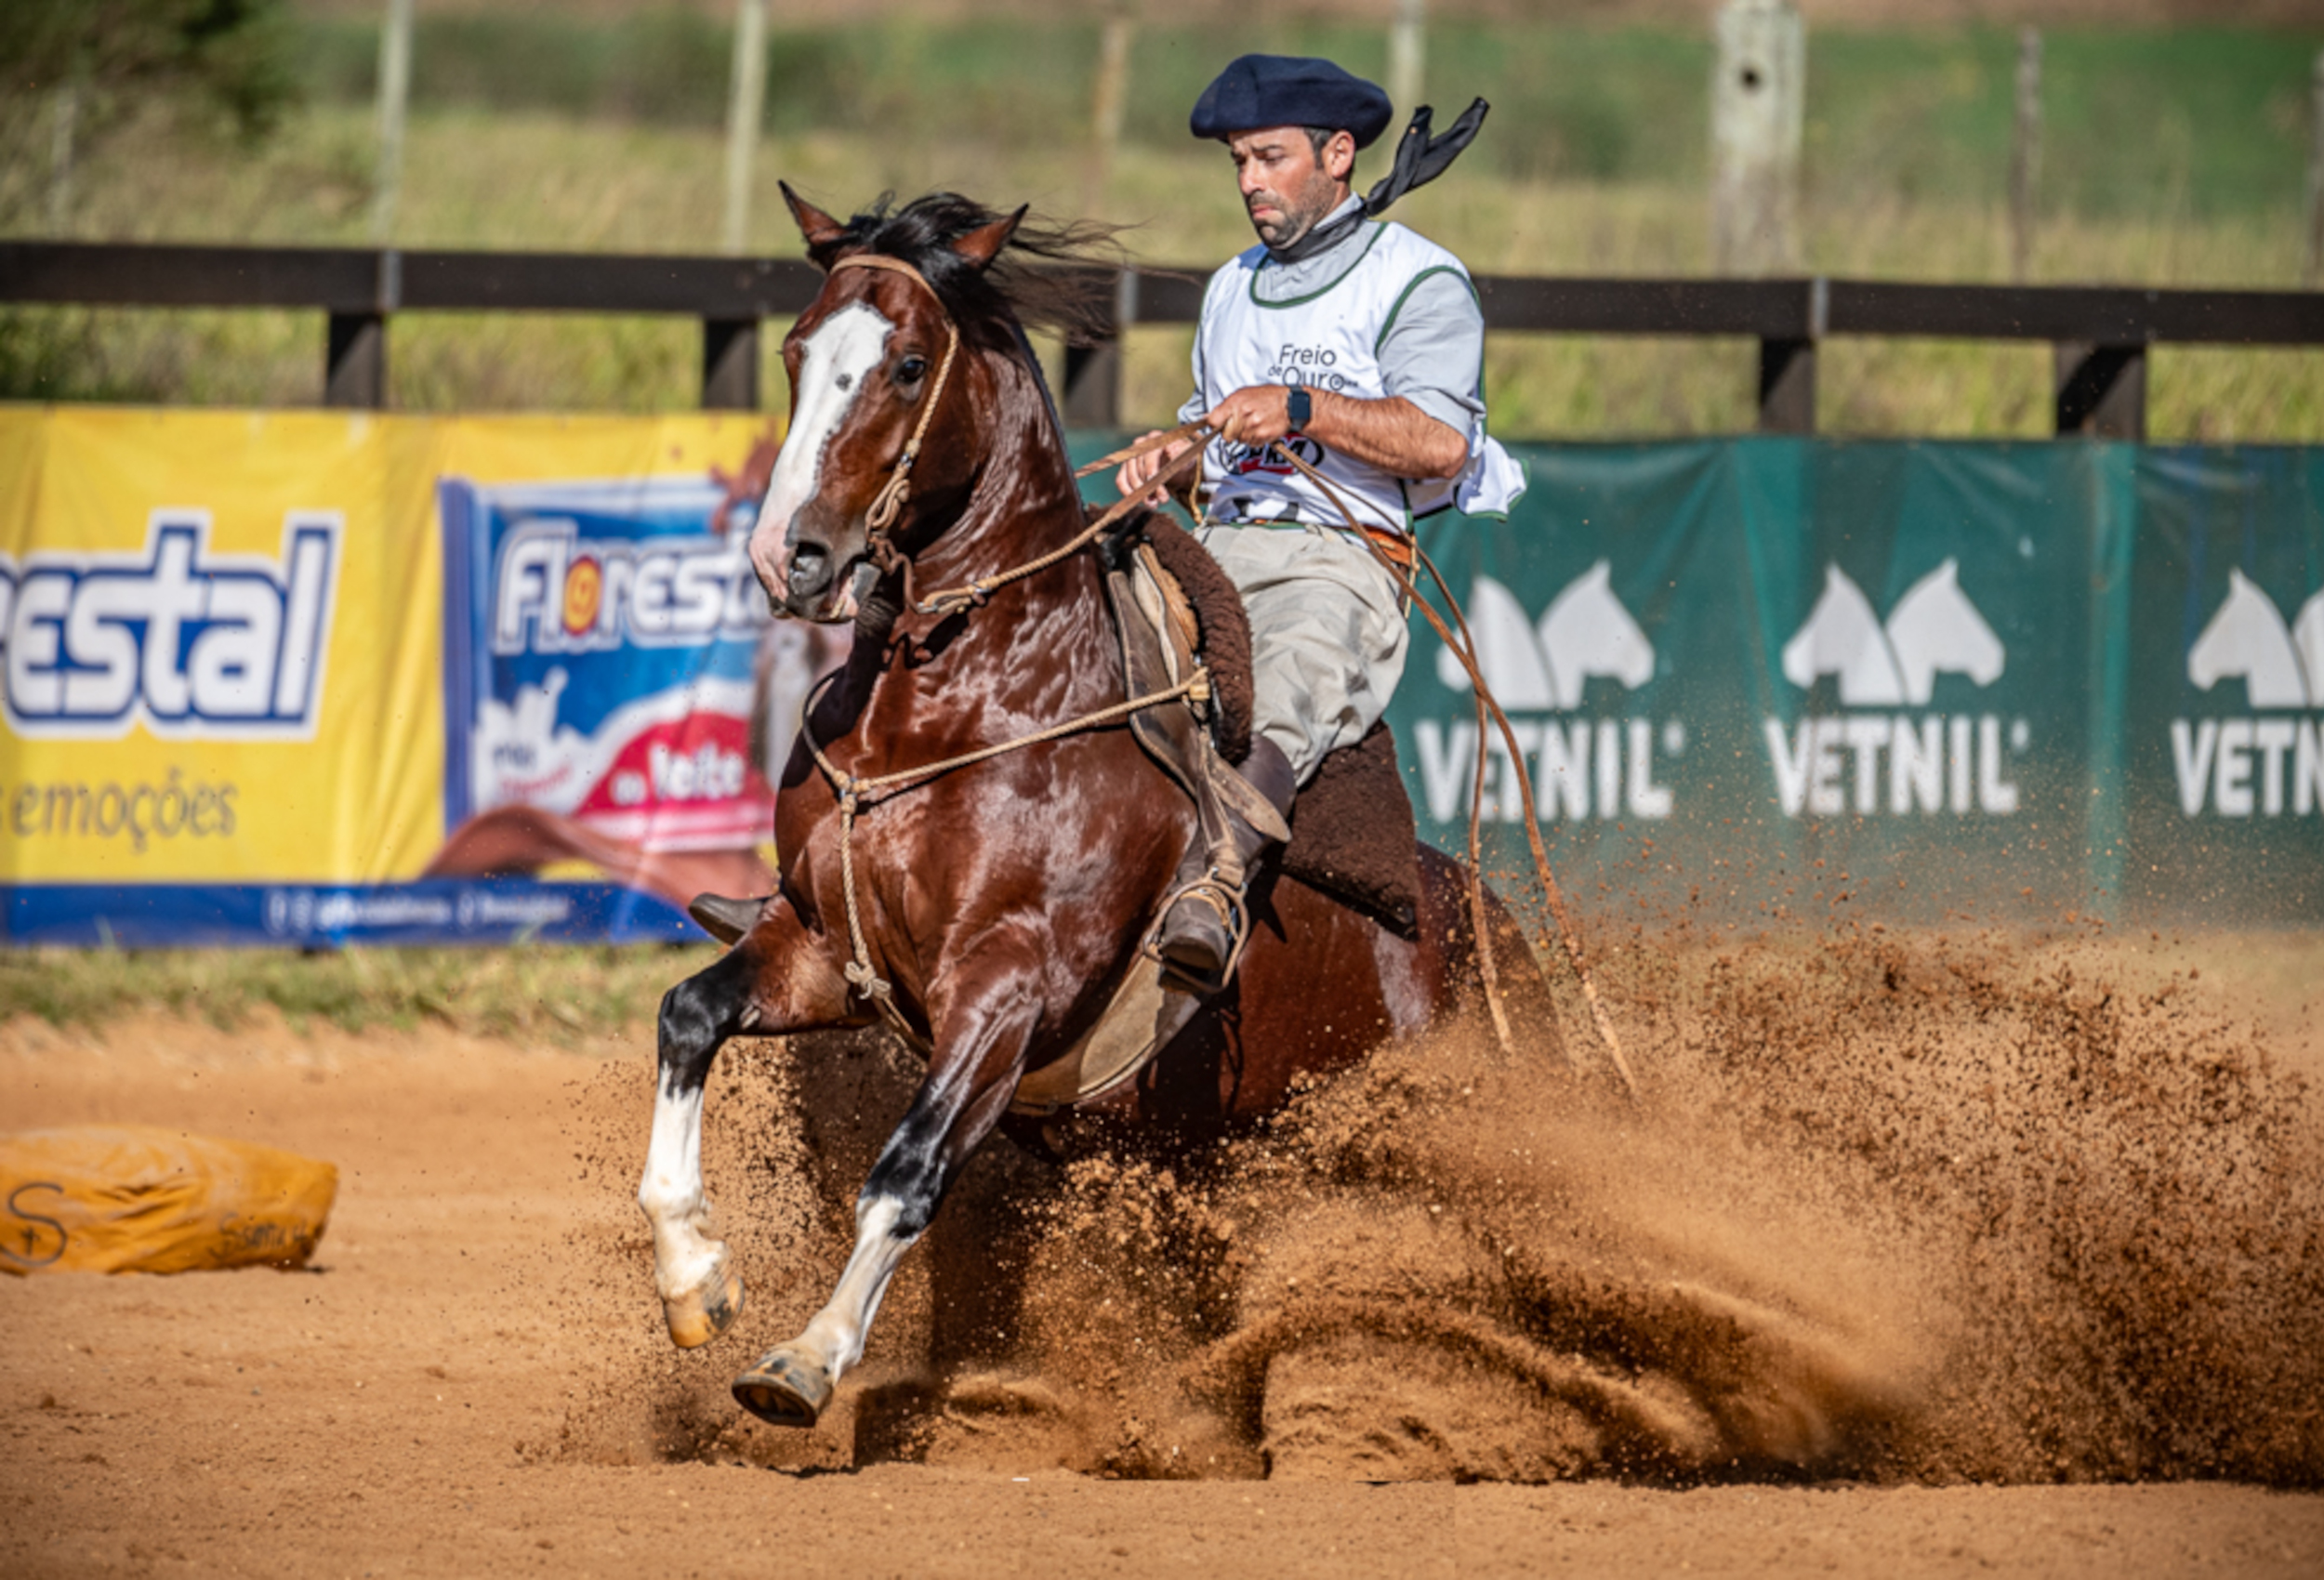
(671, 1193)
(836, 1336)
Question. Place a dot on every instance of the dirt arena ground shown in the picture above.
(1938, 1257)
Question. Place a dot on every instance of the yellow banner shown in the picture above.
(225, 631)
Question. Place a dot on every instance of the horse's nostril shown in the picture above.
(810, 568)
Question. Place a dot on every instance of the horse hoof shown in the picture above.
(702, 1314)
(784, 1389)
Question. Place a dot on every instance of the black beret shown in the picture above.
(1290, 90)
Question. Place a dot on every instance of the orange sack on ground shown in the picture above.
(144, 1198)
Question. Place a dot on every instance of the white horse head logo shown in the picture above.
(1584, 632)
(1506, 652)
(1842, 637)
(2247, 639)
(2308, 640)
(1934, 629)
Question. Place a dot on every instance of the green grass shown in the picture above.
(573, 996)
(2132, 113)
(562, 995)
(2173, 157)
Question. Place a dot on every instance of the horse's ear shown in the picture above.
(824, 234)
(982, 245)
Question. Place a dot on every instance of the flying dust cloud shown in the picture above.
(1899, 1206)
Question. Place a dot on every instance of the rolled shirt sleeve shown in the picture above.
(1433, 353)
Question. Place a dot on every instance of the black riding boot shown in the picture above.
(725, 919)
(1201, 934)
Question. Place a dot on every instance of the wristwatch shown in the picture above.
(1301, 409)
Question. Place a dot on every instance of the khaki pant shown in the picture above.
(1327, 637)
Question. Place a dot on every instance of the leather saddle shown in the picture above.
(1352, 829)
(1351, 834)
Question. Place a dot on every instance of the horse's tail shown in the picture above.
(1524, 992)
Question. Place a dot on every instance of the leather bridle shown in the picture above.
(880, 519)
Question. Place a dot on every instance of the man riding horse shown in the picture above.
(972, 849)
(1359, 346)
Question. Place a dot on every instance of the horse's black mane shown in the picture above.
(1072, 302)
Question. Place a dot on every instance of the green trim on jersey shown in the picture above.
(1370, 240)
(1413, 285)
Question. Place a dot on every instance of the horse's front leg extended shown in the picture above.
(700, 1294)
(777, 980)
(978, 1061)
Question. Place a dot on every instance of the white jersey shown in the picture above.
(1329, 340)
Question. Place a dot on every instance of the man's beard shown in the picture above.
(1296, 222)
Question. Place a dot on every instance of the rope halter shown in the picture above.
(888, 503)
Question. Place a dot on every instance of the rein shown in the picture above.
(858, 794)
(888, 503)
(1463, 649)
(953, 600)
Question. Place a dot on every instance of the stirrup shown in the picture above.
(1222, 898)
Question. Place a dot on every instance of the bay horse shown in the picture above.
(1004, 901)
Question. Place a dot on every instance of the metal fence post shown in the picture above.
(2312, 267)
(2100, 390)
(2024, 163)
(395, 92)
(64, 112)
(729, 364)
(746, 107)
(355, 361)
(1758, 109)
(1093, 372)
(1109, 96)
(1407, 56)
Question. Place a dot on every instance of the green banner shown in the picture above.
(1914, 680)
(2223, 782)
(1923, 680)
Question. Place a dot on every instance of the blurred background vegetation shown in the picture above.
(2174, 152)
(568, 996)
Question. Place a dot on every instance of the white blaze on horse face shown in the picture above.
(834, 363)
(684, 1256)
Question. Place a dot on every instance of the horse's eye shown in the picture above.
(911, 370)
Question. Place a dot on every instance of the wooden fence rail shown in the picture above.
(2100, 333)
